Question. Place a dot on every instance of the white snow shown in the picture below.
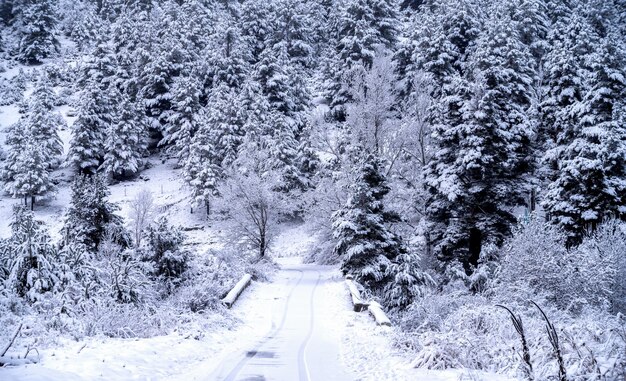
(341, 340)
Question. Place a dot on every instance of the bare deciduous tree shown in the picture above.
(141, 214)
(252, 207)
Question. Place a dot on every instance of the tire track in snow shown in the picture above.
(235, 371)
(302, 364)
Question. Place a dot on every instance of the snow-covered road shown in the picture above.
(297, 347)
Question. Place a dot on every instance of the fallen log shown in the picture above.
(379, 315)
(357, 303)
(232, 296)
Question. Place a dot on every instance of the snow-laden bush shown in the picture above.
(536, 262)
(468, 331)
(122, 275)
(164, 252)
(112, 319)
(9, 92)
(578, 289)
(209, 280)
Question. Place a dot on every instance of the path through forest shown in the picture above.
(297, 347)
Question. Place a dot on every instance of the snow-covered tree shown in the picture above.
(478, 173)
(590, 184)
(364, 27)
(43, 123)
(281, 84)
(371, 118)
(293, 27)
(29, 257)
(367, 25)
(32, 176)
(407, 280)
(366, 245)
(165, 253)
(90, 215)
(38, 22)
(159, 67)
(229, 62)
(95, 116)
(125, 143)
(142, 210)
(254, 208)
(256, 30)
(100, 66)
(215, 145)
(184, 121)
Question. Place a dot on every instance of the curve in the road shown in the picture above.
(235, 371)
(305, 375)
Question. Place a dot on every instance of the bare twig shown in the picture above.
(6, 349)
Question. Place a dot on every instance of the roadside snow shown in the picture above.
(361, 348)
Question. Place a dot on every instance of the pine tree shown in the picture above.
(533, 23)
(43, 123)
(407, 280)
(160, 64)
(282, 147)
(590, 183)
(364, 27)
(32, 177)
(100, 66)
(215, 145)
(38, 29)
(183, 122)
(477, 174)
(293, 28)
(365, 244)
(165, 252)
(90, 214)
(281, 84)
(125, 143)
(230, 62)
(256, 30)
(95, 115)
(16, 141)
(29, 256)
(571, 39)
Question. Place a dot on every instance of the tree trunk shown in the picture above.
(262, 246)
(475, 246)
(533, 199)
(32, 203)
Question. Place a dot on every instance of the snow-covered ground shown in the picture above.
(342, 342)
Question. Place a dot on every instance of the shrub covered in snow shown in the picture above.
(9, 92)
(164, 252)
(536, 263)
(579, 289)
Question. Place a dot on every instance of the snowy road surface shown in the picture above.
(297, 347)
